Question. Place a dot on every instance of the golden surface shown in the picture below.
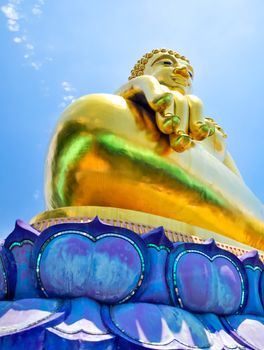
(136, 221)
(150, 149)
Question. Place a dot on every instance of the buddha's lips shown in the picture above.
(180, 80)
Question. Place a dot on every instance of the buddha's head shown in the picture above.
(169, 67)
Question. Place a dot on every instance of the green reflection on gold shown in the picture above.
(154, 164)
(70, 156)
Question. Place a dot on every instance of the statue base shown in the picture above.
(72, 281)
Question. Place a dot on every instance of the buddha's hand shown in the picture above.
(158, 97)
(217, 128)
(146, 89)
(183, 120)
(177, 115)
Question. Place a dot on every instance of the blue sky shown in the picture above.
(52, 52)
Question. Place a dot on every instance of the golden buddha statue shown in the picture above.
(149, 148)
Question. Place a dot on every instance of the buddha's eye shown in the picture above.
(190, 74)
(167, 63)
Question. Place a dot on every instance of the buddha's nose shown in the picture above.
(182, 70)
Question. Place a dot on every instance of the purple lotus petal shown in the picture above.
(109, 267)
(8, 274)
(81, 329)
(254, 270)
(158, 327)
(23, 322)
(216, 327)
(247, 329)
(157, 290)
(205, 278)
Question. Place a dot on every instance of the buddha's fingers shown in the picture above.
(180, 141)
(158, 97)
(175, 122)
(211, 123)
(167, 123)
(198, 127)
(181, 110)
(216, 127)
(175, 117)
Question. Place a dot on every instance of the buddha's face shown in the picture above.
(175, 73)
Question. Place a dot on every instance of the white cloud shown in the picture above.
(16, 22)
(12, 16)
(69, 94)
(18, 40)
(36, 10)
(36, 65)
(10, 12)
(30, 47)
(13, 26)
(68, 98)
(67, 86)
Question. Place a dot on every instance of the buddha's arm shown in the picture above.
(156, 95)
(198, 125)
